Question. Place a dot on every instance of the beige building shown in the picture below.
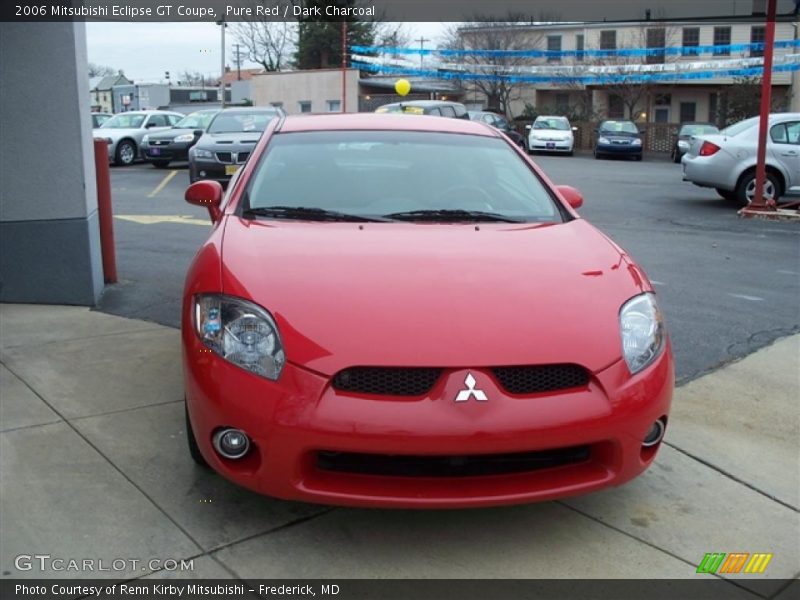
(312, 91)
(668, 102)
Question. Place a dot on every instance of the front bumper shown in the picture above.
(619, 149)
(208, 168)
(292, 421)
(171, 151)
(550, 145)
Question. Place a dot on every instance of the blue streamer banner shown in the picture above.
(579, 79)
(668, 51)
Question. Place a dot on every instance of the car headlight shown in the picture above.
(186, 137)
(200, 153)
(241, 332)
(603, 140)
(643, 333)
(637, 142)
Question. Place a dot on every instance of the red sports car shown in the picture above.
(404, 311)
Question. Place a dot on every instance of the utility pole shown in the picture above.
(222, 25)
(421, 41)
(238, 58)
(344, 66)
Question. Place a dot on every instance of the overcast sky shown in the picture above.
(146, 50)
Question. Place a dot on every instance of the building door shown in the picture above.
(661, 114)
(688, 112)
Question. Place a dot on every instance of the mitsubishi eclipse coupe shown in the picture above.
(401, 311)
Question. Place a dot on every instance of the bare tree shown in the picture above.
(96, 70)
(194, 78)
(486, 33)
(270, 44)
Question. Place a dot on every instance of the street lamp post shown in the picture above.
(222, 25)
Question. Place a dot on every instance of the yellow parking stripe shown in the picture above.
(163, 184)
(154, 219)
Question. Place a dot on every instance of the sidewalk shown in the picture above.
(93, 464)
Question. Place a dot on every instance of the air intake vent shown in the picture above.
(534, 379)
(387, 381)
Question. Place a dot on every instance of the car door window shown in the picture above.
(448, 111)
(778, 134)
(157, 121)
(173, 119)
(435, 112)
(793, 132)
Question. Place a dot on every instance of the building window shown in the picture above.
(688, 112)
(691, 40)
(579, 46)
(661, 114)
(608, 40)
(553, 45)
(562, 104)
(713, 107)
(305, 106)
(334, 105)
(758, 34)
(722, 37)
(656, 38)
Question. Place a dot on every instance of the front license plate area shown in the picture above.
(551, 145)
(155, 151)
(231, 169)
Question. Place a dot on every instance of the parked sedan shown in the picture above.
(124, 132)
(727, 161)
(434, 108)
(98, 118)
(685, 134)
(498, 122)
(552, 134)
(405, 312)
(618, 138)
(174, 144)
(228, 142)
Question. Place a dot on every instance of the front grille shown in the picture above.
(241, 158)
(541, 378)
(393, 465)
(225, 157)
(387, 381)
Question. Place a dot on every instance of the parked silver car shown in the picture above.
(727, 161)
(124, 132)
(551, 134)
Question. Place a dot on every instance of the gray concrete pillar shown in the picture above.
(49, 236)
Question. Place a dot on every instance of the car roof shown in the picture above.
(251, 109)
(425, 103)
(552, 117)
(383, 122)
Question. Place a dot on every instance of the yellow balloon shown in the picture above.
(402, 87)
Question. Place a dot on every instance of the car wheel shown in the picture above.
(596, 155)
(126, 153)
(571, 153)
(638, 158)
(726, 194)
(746, 188)
(676, 158)
(194, 449)
(160, 164)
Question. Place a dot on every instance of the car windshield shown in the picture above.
(124, 121)
(618, 127)
(740, 127)
(196, 120)
(380, 174)
(240, 122)
(698, 129)
(559, 124)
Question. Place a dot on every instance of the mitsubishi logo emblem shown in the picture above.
(465, 395)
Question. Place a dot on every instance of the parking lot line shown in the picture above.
(163, 183)
(745, 297)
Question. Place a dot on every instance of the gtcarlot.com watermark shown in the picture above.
(49, 563)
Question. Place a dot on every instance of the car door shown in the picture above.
(785, 138)
(156, 122)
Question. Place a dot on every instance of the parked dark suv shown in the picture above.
(436, 108)
(618, 138)
(498, 122)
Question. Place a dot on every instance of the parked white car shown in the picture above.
(727, 161)
(551, 134)
(124, 132)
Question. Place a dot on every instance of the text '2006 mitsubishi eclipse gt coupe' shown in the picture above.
(405, 312)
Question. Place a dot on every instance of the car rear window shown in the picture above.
(240, 122)
(376, 173)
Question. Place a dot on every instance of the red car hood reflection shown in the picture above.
(440, 295)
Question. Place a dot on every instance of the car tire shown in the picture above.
(125, 154)
(746, 186)
(160, 164)
(194, 449)
(596, 155)
(638, 158)
(726, 194)
(571, 153)
(676, 158)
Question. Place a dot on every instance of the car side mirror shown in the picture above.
(149, 125)
(642, 131)
(573, 197)
(208, 194)
(198, 132)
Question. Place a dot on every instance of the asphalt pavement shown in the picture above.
(727, 285)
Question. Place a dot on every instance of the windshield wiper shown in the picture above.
(307, 213)
(449, 214)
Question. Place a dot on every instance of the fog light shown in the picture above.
(202, 173)
(655, 434)
(231, 443)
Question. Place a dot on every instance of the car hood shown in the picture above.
(227, 140)
(433, 294)
(620, 135)
(555, 134)
(170, 134)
